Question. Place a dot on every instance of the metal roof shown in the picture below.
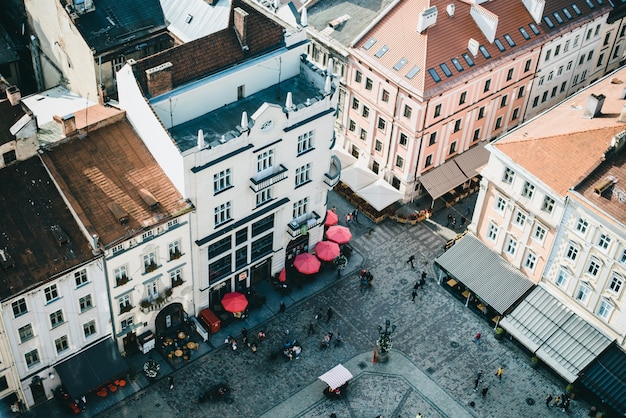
(487, 274)
(192, 19)
(558, 336)
(606, 377)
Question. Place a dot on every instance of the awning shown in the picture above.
(357, 178)
(558, 336)
(455, 172)
(487, 274)
(606, 377)
(379, 194)
(346, 159)
(91, 368)
(336, 376)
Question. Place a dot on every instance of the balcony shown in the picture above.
(332, 176)
(265, 180)
(301, 225)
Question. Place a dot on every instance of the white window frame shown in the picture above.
(90, 329)
(32, 358)
(508, 176)
(572, 251)
(127, 322)
(594, 266)
(605, 309)
(528, 190)
(124, 301)
(539, 233)
(582, 225)
(562, 277)
(61, 344)
(519, 219)
(265, 161)
(56, 318)
(85, 303)
(305, 141)
(222, 213)
(583, 293)
(500, 204)
(152, 290)
(51, 292)
(604, 240)
(511, 246)
(80, 277)
(303, 174)
(399, 161)
(548, 204)
(148, 260)
(492, 231)
(263, 196)
(300, 207)
(174, 248)
(222, 180)
(530, 261)
(615, 284)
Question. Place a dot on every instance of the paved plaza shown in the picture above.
(431, 369)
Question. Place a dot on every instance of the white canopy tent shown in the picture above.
(357, 178)
(336, 376)
(380, 194)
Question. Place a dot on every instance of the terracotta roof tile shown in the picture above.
(111, 165)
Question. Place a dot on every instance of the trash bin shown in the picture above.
(209, 320)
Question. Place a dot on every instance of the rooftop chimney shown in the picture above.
(594, 106)
(14, 95)
(200, 139)
(159, 79)
(622, 115)
(68, 123)
(148, 198)
(304, 20)
(487, 21)
(289, 101)
(244, 121)
(535, 8)
(450, 9)
(241, 27)
(426, 18)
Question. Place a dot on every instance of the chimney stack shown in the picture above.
(159, 79)
(14, 95)
(594, 106)
(68, 122)
(241, 27)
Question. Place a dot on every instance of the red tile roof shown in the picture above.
(449, 37)
(111, 165)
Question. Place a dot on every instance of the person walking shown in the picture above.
(244, 336)
(355, 215)
(499, 372)
(479, 375)
(410, 260)
(449, 220)
(557, 401)
(311, 330)
(170, 382)
(348, 219)
(548, 400)
(477, 338)
(476, 383)
(329, 314)
(282, 307)
(423, 279)
(453, 223)
(485, 390)
(413, 294)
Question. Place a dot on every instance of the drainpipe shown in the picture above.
(34, 49)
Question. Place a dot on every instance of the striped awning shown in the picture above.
(336, 376)
(606, 377)
(558, 336)
(485, 273)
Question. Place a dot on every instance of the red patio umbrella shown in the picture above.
(234, 302)
(327, 250)
(282, 277)
(339, 234)
(331, 218)
(307, 263)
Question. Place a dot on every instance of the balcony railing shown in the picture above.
(331, 178)
(266, 180)
(300, 226)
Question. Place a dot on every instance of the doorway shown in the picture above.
(261, 271)
(37, 390)
(130, 344)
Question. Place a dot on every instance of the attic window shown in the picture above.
(533, 27)
(400, 64)
(381, 51)
(484, 51)
(434, 75)
(412, 72)
(524, 33)
(548, 21)
(457, 64)
(576, 9)
(557, 16)
(369, 44)
(567, 14)
(509, 40)
(445, 69)
(188, 19)
(590, 4)
(468, 60)
(499, 45)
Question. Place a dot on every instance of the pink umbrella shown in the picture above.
(327, 250)
(307, 263)
(234, 302)
(339, 234)
(331, 218)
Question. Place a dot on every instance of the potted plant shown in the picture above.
(145, 305)
(122, 280)
(499, 333)
(125, 308)
(570, 389)
(151, 368)
(151, 267)
(175, 255)
(168, 293)
(534, 362)
(159, 300)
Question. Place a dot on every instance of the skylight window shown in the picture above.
(567, 13)
(590, 4)
(524, 33)
(468, 60)
(457, 64)
(499, 45)
(548, 21)
(400, 64)
(509, 40)
(484, 51)
(381, 51)
(412, 72)
(445, 70)
(533, 27)
(576, 9)
(600, 2)
(557, 17)
(434, 75)
(369, 43)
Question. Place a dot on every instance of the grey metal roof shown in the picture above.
(487, 274)
(558, 336)
(606, 377)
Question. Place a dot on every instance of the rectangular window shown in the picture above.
(487, 86)
(559, 71)
(498, 123)
(300, 207)
(85, 303)
(429, 161)
(544, 97)
(382, 124)
(403, 139)
(19, 307)
(222, 213)
(80, 277)
(32, 358)
(515, 114)
(378, 146)
(263, 196)
(363, 134)
(51, 292)
(539, 234)
(408, 111)
(582, 225)
(594, 267)
(366, 111)
(125, 323)
(508, 176)
(152, 290)
(452, 148)
(121, 275)
(352, 126)
(358, 76)
(303, 174)
(519, 218)
(603, 241)
(262, 225)
(265, 161)
(481, 113)
(355, 103)
(149, 262)
(581, 60)
(569, 66)
(176, 277)
(305, 141)
(492, 232)
(503, 101)
(261, 247)
(548, 204)
(61, 344)
(566, 46)
(476, 135)
(222, 180)
(457, 125)
(535, 101)
(438, 110)
(548, 52)
(541, 80)
(56, 318)
(399, 161)
(146, 235)
(368, 84)
(124, 303)
(500, 204)
(89, 328)
(557, 50)
(527, 66)
(433, 138)
(583, 293)
(616, 283)
(550, 75)
(385, 96)
(511, 246)
(509, 75)
(463, 98)
(623, 257)
(562, 278)
(563, 85)
(553, 92)
(25, 333)
(531, 261)
(605, 309)
(174, 250)
(572, 251)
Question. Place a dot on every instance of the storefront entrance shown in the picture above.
(261, 271)
(217, 293)
(170, 317)
(130, 343)
(37, 390)
(295, 247)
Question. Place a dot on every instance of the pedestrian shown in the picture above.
(413, 294)
(463, 220)
(468, 210)
(548, 400)
(479, 375)
(253, 348)
(410, 260)
(334, 209)
(557, 401)
(423, 279)
(244, 336)
(485, 390)
(499, 372)
(449, 220)
(261, 336)
(348, 219)
(329, 314)
(282, 307)
(170, 382)
(476, 383)
(419, 415)
(453, 223)
(355, 215)
(477, 338)
(416, 286)
(318, 315)
(566, 405)
(311, 330)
